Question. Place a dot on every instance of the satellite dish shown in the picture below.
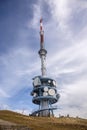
(45, 93)
(54, 83)
(45, 89)
(37, 82)
(49, 81)
(58, 96)
(51, 92)
(35, 95)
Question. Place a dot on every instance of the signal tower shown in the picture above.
(44, 88)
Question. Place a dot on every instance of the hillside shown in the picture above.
(40, 123)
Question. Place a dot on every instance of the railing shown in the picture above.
(40, 110)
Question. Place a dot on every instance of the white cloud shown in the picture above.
(37, 14)
(17, 71)
(60, 61)
(78, 5)
(61, 11)
(3, 93)
(73, 99)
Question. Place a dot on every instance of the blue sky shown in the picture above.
(65, 26)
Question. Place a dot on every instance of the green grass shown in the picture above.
(44, 123)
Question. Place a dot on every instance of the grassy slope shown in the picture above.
(44, 123)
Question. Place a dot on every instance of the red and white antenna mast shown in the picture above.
(44, 88)
(41, 34)
(42, 52)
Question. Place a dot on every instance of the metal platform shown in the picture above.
(44, 94)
